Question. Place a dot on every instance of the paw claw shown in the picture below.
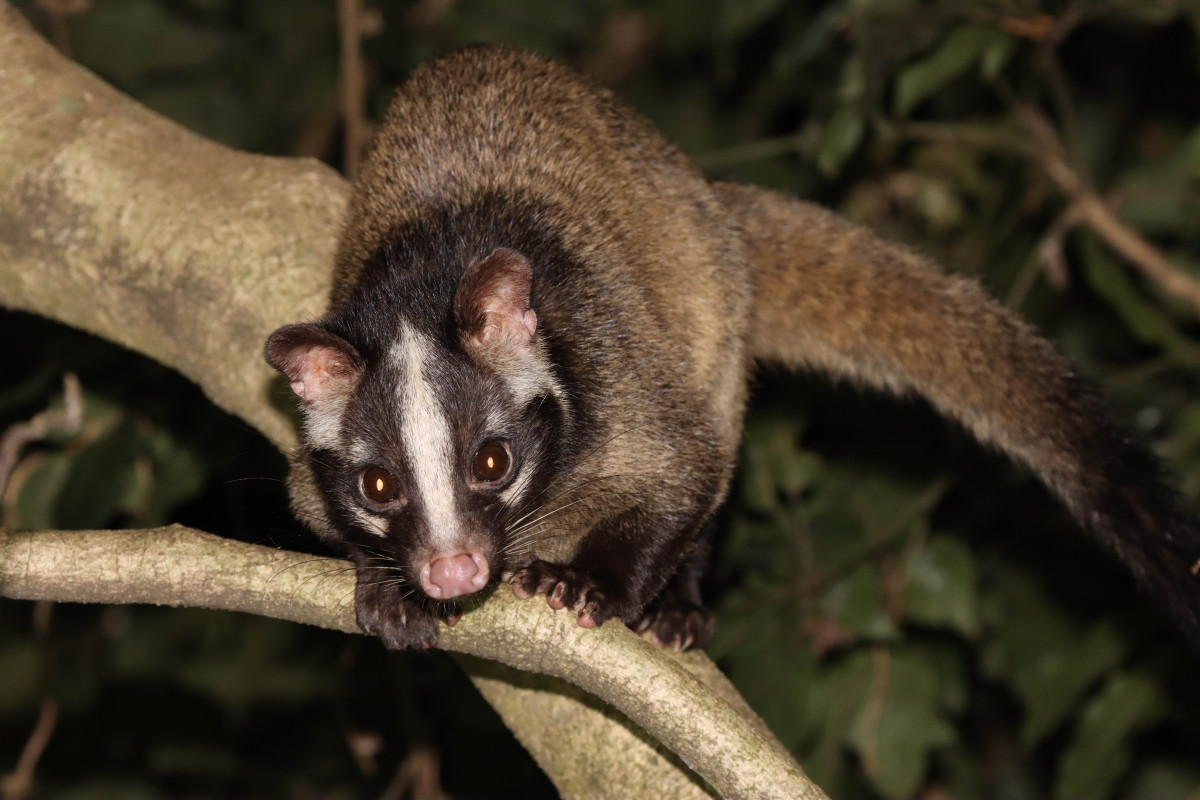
(521, 586)
(565, 587)
(555, 598)
(381, 611)
(677, 624)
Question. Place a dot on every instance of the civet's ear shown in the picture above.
(316, 362)
(492, 306)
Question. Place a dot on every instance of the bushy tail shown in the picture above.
(833, 297)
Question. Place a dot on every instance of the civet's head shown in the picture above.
(431, 423)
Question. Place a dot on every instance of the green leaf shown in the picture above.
(1147, 322)
(964, 47)
(960, 773)
(38, 493)
(901, 722)
(1162, 197)
(847, 680)
(179, 475)
(940, 590)
(947, 660)
(840, 139)
(858, 604)
(937, 200)
(779, 676)
(852, 83)
(857, 511)
(820, 33)
(1161, 778)
(1047, 657)
(757, 484)
(1101, 748)
(100, 479)
(773, 462)
(996, 56)
(739, 17)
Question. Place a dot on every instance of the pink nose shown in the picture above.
(454, 576)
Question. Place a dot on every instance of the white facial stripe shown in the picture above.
(426, 436)
(369, 521)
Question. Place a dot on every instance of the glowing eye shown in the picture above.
(379, 485)
(492, 462)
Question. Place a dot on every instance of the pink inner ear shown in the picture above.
(315, 361)
(492, 305)
(321, 370)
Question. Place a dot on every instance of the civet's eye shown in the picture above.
(492, 462)
(379, 485)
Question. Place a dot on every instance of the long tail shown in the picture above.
(831, 296)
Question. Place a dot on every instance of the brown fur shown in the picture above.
(536, 129)
(832, 297)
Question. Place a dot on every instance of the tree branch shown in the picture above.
(681, 701)
(1089, 208)
(115, 220)
(1044, 146)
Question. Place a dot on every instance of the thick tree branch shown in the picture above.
(116, 221)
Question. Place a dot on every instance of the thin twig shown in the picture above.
(1049, 251)
(417, 776)
(58, 11)
(1097, 215)
(364, 746)
(17, 783)
(69, 419)
(881, 678)
(353, 84)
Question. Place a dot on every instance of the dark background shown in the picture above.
(914, 616)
